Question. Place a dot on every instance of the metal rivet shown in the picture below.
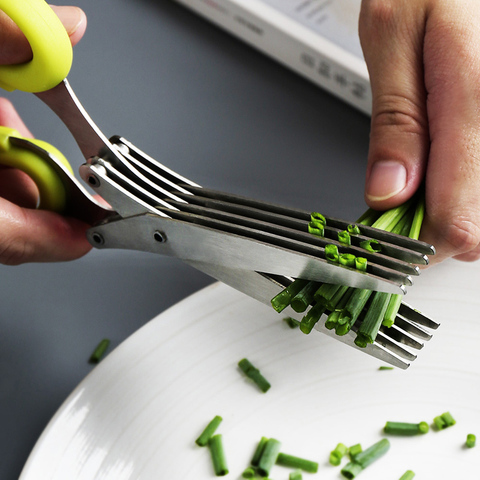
(93, 181)
(97, 238)
(160, 237)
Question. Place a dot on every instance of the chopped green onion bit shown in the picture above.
(205, 436)
(444, 420)
(337, 454)
(286, 460)
(365, 458)
(259, 451)
(218, 455)
(249, 472)
(291, 322)
(408, 475)
(471, 440)
(354, 450)
(99, 351)
(296, 475)
(268, 457)
(406, 429)
(384, 367)
(254, 374)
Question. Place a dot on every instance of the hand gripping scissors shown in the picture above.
(253, 246)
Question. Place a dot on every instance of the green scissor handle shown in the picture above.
(52, 191)
(51, 47)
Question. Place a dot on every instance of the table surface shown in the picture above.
(204, 104)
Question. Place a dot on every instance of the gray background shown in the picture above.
(211, 108)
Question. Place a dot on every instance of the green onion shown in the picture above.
(258, 451)
(99, 351)
(296, 475)
(311, 318)
(363, 459)
(384, 367)
(205, 436)
(318, 218)
(405, 429)
(444, 420)
(269, 456)
(304, 297)
(249, 472)
(290, 461)
(282, 300)
(337, 454)
(332, 320)
(218, 455)
(392, 309)
(254, 374)
(316, 228)
(373, 246)
(361, 264)
(417, 218)
(347, 259)
(408, 475)
(471, 440)
(331, 252)
(368, 217)
(370, 325)
(353, 309)
(344, 237)
(390, 218)
(353, 229)
(354, 450)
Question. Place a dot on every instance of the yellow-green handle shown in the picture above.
(52, 192)
(51, 47)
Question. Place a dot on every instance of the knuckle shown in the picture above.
(13, 251)
(462, 235)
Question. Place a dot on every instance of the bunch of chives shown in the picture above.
(345, 306)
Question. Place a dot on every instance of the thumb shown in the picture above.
(399, 139)
(14, 47)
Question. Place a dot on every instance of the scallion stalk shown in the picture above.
(269, 457)
(282, 300)
(311, 318)
(254, 374)
(408, 475)
(208, 432)
(99, 351)
(392, 309)
(304, 297)
(291, 461)
(370, 325)
(258, 451)
(218, 455)
(405, 428)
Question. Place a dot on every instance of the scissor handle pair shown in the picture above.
(50, 44)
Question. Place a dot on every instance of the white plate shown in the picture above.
(137, 414)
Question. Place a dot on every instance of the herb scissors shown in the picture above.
(256, 247)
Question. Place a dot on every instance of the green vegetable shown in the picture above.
(205, 436)
(269, 456)
(344, 237)
(408, 475)
(361, 264)
(354, 450)
(373, 319)
(286, 460)
(291, 322)
(304, 297)
(296, 475)
(218, 455)
(249, 472)
(353, 229)
(99, 351)
(444, 420)
(337, 454)
(384, 367)
(311, 318)
(331, 252)
(405, 429)
(254, 374)
(365, 458)
(347, 259)
(283, 299)
(259, 451)
(392, 310)
(471, 440)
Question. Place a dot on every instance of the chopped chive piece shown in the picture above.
(290, 461)
(331, 252)
(318, 217)
(471, 440)
(282, 300)
(269, 456)
(351, 470)
(254, 374)
(405, 429)
(353, 229)
(373, 246)
(408, 475)
(337, 454)
(444, 420)
(372, 453)
(258, 451)
(332, 320)
(291, 322)
(99, 351)
(296, 475)
(361, 264)
(249, 472)
(354, 450)
(316, 228)
(392, 309)
(304, 297)
(368, 329)
(218, 455)
(340, 298)
(344, 237)
(384, 367)
(311, 318)
(347, 259)
(205, 436)
(329, 294)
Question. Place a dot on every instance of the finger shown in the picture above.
(9, 117)
(391, 33)
(452, 71)
(17, 187)
(39, 236)
(14, 47)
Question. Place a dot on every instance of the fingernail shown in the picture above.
(71, 17)
(387, 178)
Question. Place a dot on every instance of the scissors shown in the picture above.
(253, 246)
